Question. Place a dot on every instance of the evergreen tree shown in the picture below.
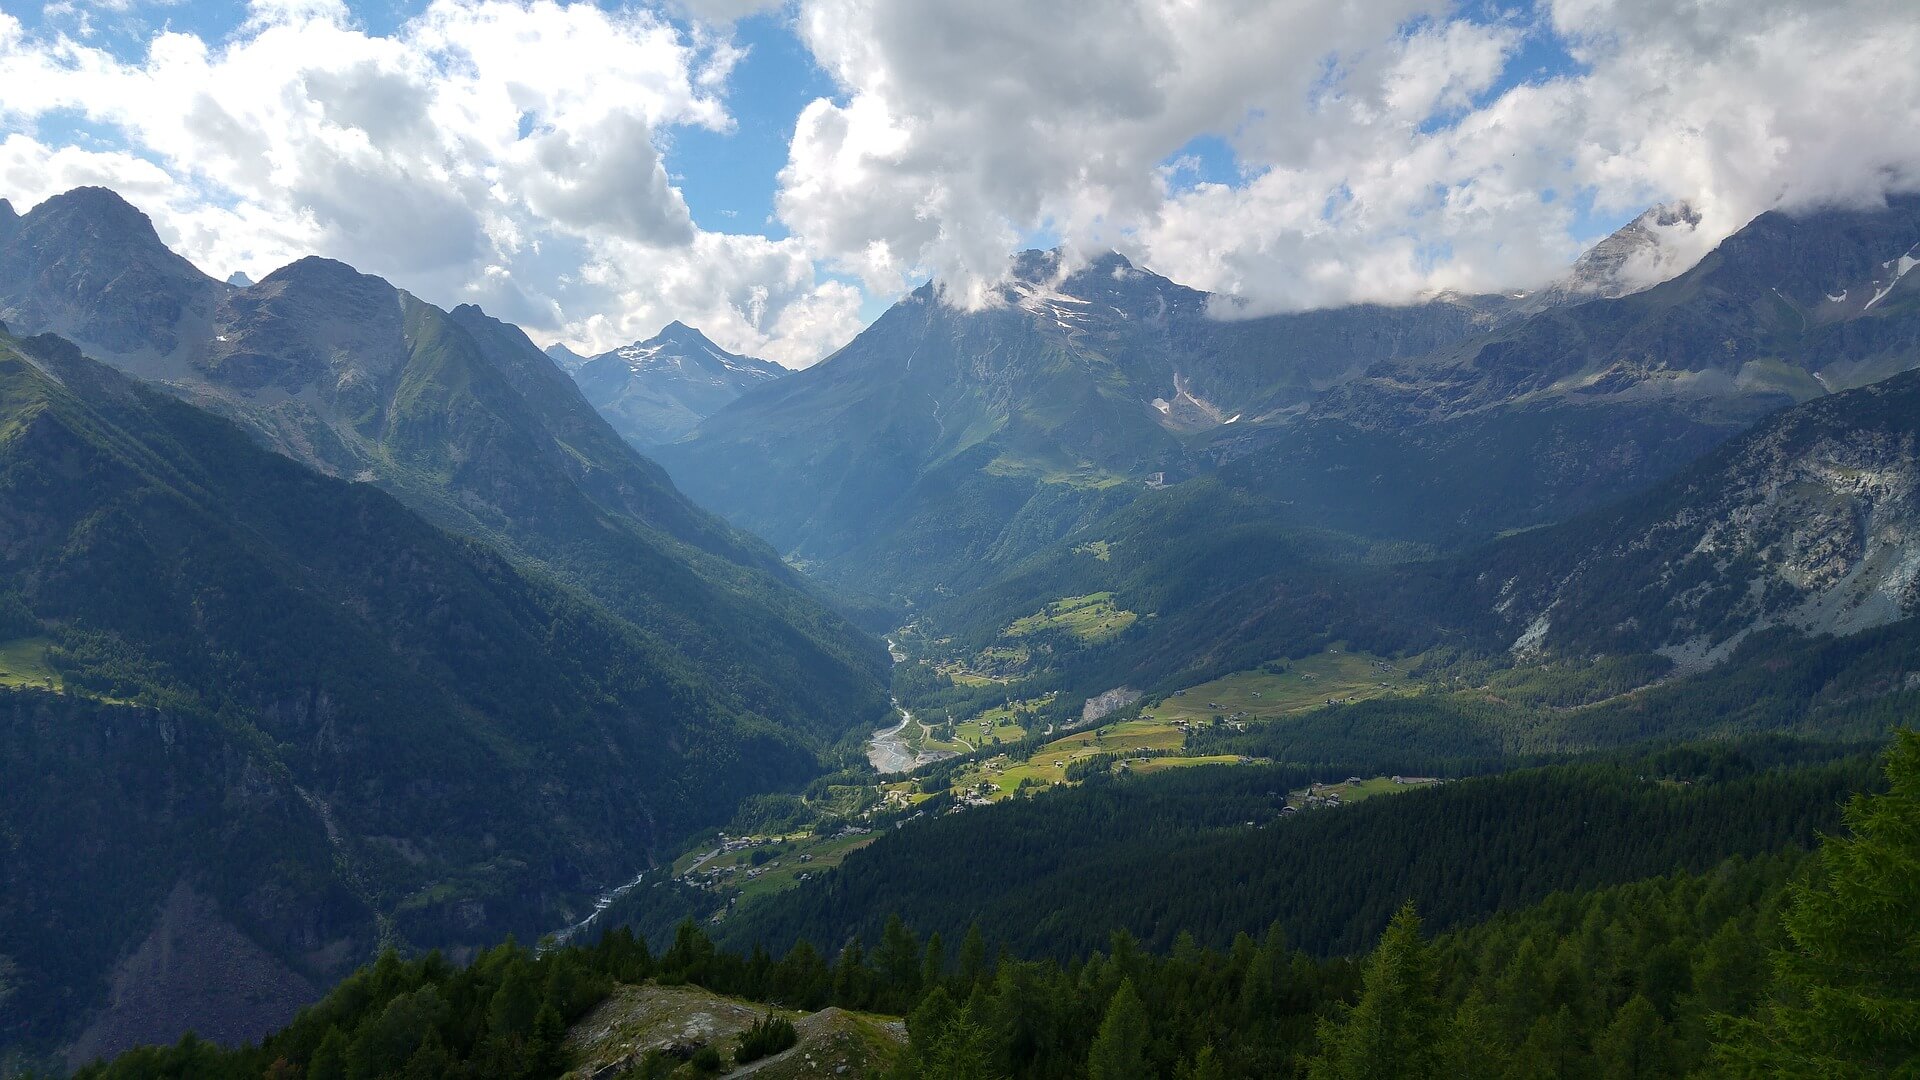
(1846, 991)
(1392, 1030)
(933, 967)
(1120, 1049)
(898, 959)
(1204, 1066)
(964, 1051)
(973, 958)
(1473, 1048)
(1637, 1044)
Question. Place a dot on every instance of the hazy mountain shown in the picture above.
(459, 416)
(657, 390)
(261, 720)
(941, 442)
(565, 357)
(1281, 547)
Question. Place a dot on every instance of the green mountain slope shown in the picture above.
(293, 720)
(464, 420)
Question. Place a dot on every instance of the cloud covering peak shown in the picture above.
(535, 156)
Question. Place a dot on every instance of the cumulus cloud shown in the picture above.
(747, 292)
(485, 150)
(1380, 157)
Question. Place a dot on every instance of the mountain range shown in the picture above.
(941, 447)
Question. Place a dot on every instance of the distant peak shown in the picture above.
(681, 332)
(565, 357)
(6, 211)
(239, 279)
(92, 198)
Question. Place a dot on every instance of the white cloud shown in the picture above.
(750, 294)
(516, 152)
(485, 150)
(1374, 165)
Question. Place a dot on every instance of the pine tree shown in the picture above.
(1392, 1031)
(898, 959)
(1473, 1048)
(1845, 998)
(964, 1051)
(1120, 1049)
(1204, 1066)
(933, 967)
(973, 958)
(1637, 1044)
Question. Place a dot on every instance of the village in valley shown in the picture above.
(961, 763)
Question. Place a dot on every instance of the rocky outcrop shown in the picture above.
(195, 971)
(1810, 521)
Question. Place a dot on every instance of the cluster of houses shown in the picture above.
(713, 877)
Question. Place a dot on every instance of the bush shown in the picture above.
(707, 1060)
(769, 1035)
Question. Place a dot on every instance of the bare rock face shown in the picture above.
(90, 267)
(1810, 521)
(195, 971)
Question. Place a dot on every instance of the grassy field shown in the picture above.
(1351, 792)
(1092, 618)
(1304, 684)
(1161, 764)
(1099, 549)
(925, 739)
(1282, 689)
(1006, 722)
(23, 662)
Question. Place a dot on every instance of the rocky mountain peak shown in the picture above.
(1635, 256)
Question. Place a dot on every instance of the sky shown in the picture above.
(777, 174)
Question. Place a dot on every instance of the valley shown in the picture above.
(1284, 621)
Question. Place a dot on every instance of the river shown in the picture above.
(888, 751)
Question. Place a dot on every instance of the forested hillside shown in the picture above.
(1209, 852)
(275, 718)
(1768, 966)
